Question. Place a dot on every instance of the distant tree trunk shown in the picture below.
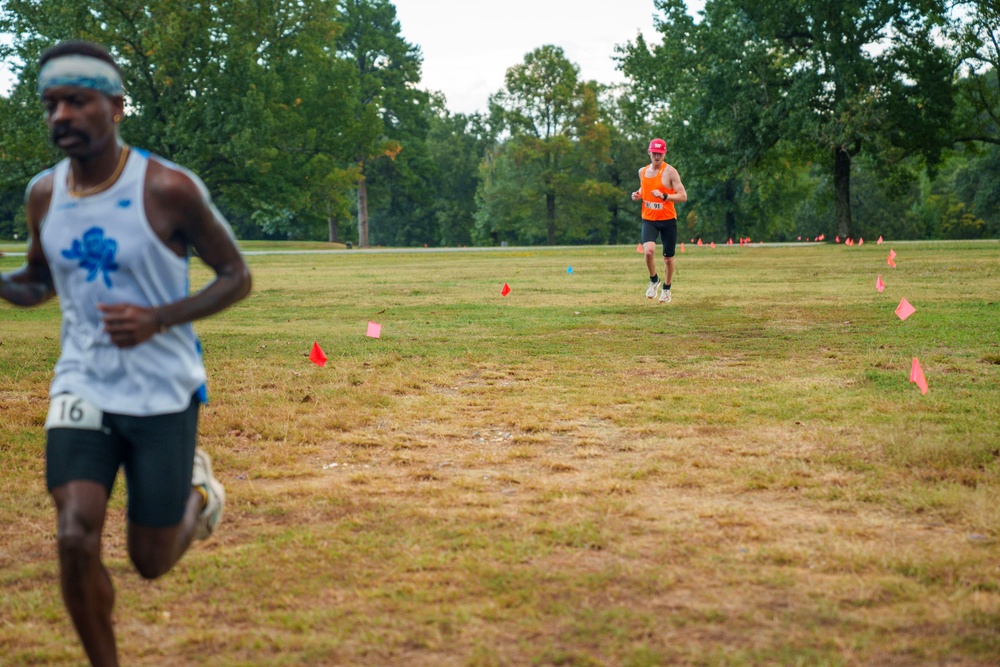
(613, 231)
(842, 190)
(362, 213)
(731, 207)
(550, 211)
(331, 223)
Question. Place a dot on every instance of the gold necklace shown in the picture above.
(104, 185)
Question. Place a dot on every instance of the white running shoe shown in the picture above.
(665, 296)
(651, 290)
(202, 477)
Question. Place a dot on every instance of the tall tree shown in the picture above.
(555, 142)
(218, 87)
(976, 33)
(388, 69)
(839, 79)
(456, 143)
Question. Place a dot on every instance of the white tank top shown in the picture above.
(101, 250)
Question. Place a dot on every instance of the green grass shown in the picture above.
(571, 475)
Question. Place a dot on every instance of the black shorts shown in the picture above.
(667, 228)
(156, 452)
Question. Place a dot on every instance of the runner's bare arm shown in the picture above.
(179, 209)
(672, 181)
(637, 195)
(32, 284)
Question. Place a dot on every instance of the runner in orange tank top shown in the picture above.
(660, 188)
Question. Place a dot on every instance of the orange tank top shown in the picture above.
(654, 208)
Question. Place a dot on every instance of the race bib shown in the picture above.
(72, 411)
(654, 205)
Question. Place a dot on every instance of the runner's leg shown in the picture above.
(649, 235)
(85, 583)
(163, 506)
(669, 249)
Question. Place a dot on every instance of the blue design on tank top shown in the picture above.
(96, 254)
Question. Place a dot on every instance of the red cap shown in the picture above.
(657, 146)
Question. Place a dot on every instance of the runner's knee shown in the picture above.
(78, 539)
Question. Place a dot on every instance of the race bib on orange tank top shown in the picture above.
(654, 208)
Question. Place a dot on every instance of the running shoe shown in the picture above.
(665, 296)
(651, 290)
(202, 477)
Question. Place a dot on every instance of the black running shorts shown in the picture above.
(667, 228)
(156, 452)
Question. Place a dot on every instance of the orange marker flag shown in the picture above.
(904, 309)
(317, 356)
(699, 242)
(892, 258)
(729, 242)
(505, 290)
(837, 239)
(712, 245)
(682, 246)
(638, 248)
(821, 237)
(917, 376)
(861, 240)
(880, 284)
(374, 330)
(879, 242)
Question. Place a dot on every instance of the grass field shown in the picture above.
(571, 475)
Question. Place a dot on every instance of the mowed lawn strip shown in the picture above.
(568, 475)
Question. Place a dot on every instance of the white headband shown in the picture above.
(82, 71)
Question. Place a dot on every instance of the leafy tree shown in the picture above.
(715, 94)
(976, 33)
(767, 84)
(387, 102)
(225, 88)
(555, 147)
(456, 143)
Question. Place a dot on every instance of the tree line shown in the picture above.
(306, 119)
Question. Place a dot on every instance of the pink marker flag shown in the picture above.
(917, 376)
(880, 284)
(861, 240)
(712, 245)
(837, 239)
(374, 330)
(729, 242)
(317, 356)
(700, 243)
(892, 258)
(505, 290)
(904, 309)
(879, 242)
(638, 248)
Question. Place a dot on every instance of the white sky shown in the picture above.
(468, 45)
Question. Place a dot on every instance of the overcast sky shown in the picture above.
(468, 45)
